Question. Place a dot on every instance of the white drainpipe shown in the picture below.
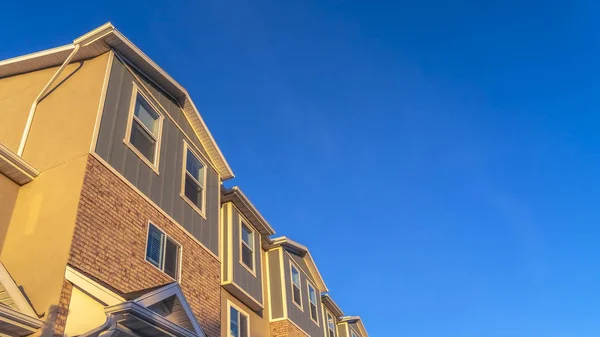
(39, 97)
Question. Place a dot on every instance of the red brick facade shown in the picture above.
(109, 244)
(285, 328)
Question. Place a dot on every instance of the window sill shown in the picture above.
(162, 271)
(253, 272)
(193, 206)
(298, 305)
(151, 165)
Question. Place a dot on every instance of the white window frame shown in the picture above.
(328, 314)
(308, 287)
(243, 222)
(158, 137)
(184, 173)
(292, 285)
(240, 312)
(164, 251)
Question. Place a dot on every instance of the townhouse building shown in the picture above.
(114, 220)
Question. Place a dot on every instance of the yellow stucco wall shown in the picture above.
(64, 121)
(8, 197)
(38, 239)
(85, 313)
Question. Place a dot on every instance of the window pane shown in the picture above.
(297, 295)
(243, 326)
(295, 276)
(146, 114)
(142, 141)
(194, 167)
(313, 311)
(247, 257)
(311, 295)
(331, 333)
(172, 259)
(247, 236)
(233, 323)
(154, 246)
(193, 192)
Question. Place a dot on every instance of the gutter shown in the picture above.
(83, 41)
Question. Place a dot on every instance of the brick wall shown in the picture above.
(285, 328)
(110, 240)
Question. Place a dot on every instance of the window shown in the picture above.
(330, 326)
(353, 334)
(312, 299)
(163, 252)
(247, 247)
(144, 129)
(296, 290)
(194, 180)
(238, 323)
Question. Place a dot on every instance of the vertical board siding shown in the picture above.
(163, 189)
(299, 260)
(276, 290)
(301, 317)
(251, 284)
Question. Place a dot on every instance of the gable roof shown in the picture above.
(305, 253)
(242, 202)
(169, 302)
(331, 305)
(356, 320)
(17, 317)
(103, 39)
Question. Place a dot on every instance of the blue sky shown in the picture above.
(439, 158)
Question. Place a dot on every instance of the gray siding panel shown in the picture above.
(163, 189)
(302, 264)
(250, 283)
(302, 317)
(275, 283)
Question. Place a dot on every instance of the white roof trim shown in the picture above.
(302, 250)
(15, 293)
(99, 41)
(165, 292)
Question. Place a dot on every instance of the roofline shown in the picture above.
(355, 319)
(100, 40)
(326, 297)
(244, 199)
(302, 250)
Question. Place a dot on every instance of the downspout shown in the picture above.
(39, 97)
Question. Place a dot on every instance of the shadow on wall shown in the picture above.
(54, 324)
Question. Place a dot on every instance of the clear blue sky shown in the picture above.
(441, 161)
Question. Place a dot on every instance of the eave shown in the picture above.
(15, 168)
(101, 40)
(248, 210)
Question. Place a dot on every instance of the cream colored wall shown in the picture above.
(259, 326)
(8, 198)
(38, 239)
(64, 121)
(85, 314)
